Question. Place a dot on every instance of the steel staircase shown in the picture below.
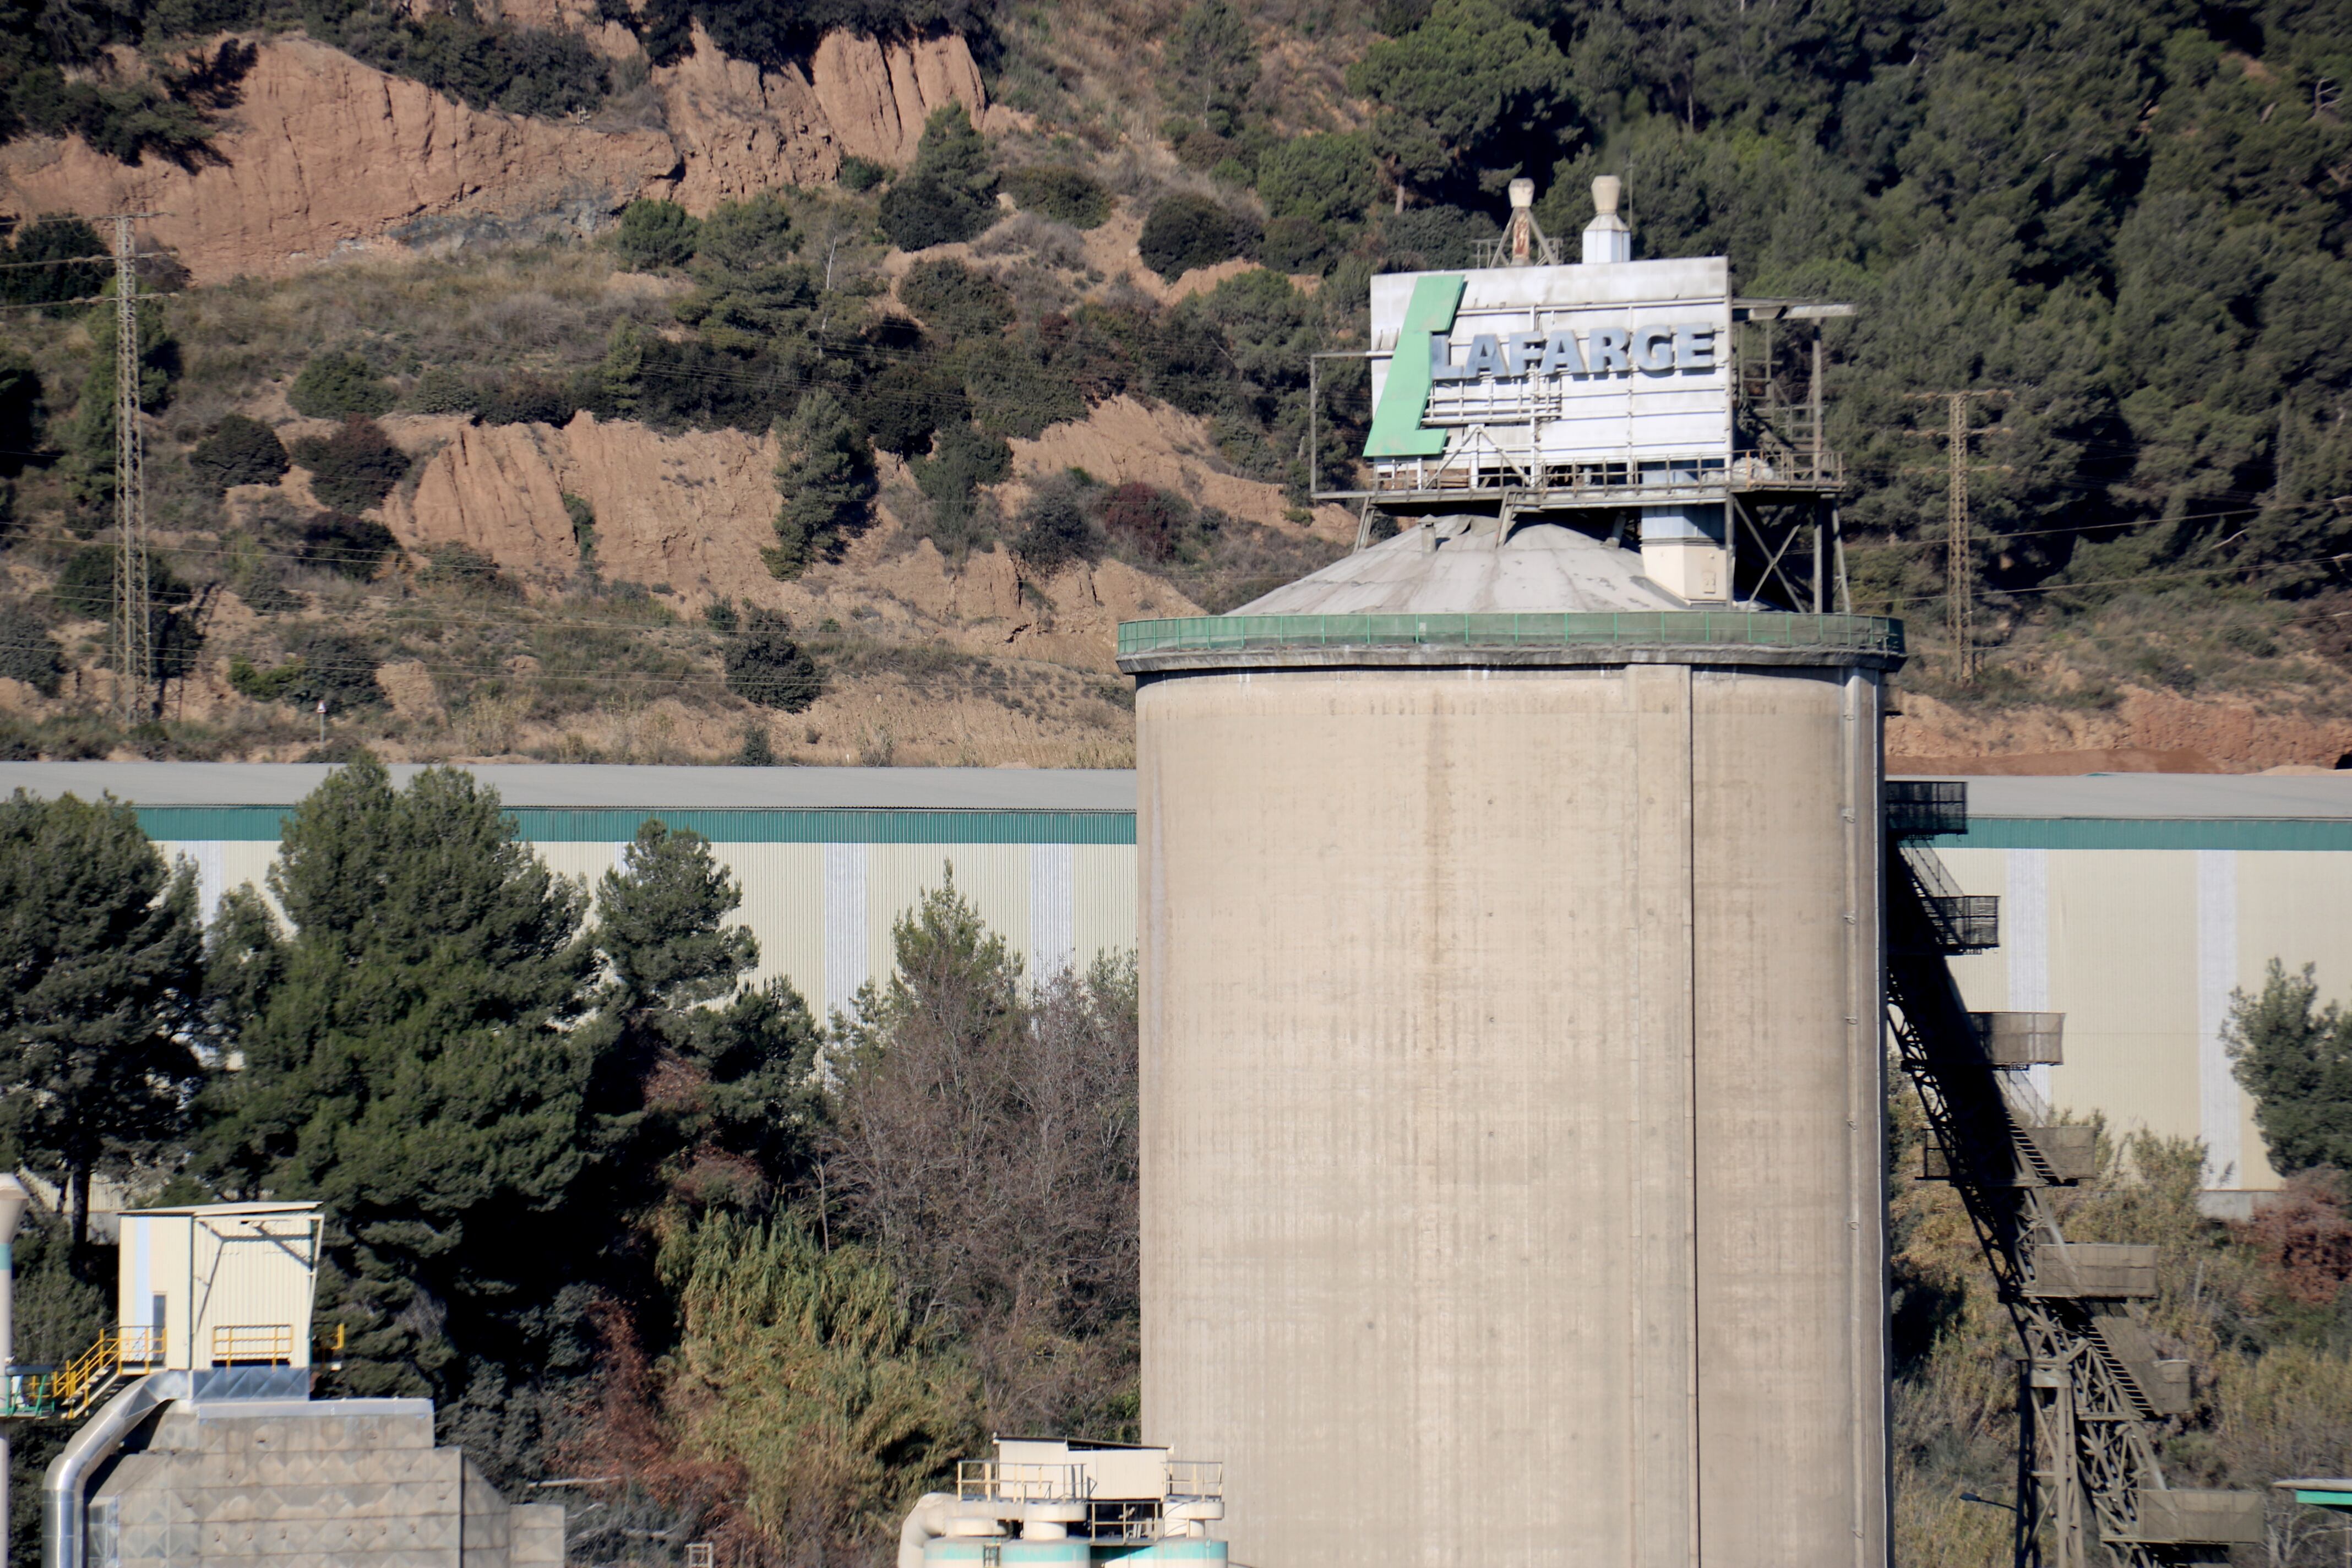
(2088, 1479)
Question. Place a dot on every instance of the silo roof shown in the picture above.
(1443, 566)
(1446, 591)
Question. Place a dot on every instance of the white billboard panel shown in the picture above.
(1553, 367)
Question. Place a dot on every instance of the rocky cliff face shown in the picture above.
(326, 156)
(739, 129)
(690, 513)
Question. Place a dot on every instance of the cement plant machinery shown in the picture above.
(1050, 1502)
(1512, 1088)
(2092, 1385)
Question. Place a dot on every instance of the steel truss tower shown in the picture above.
(134, 611)
(2092, 1386)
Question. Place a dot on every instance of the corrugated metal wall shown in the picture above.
(191, 1274)
(823, 912)
(2141, 949)
(2141, 946)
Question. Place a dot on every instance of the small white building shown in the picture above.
(217, 1285)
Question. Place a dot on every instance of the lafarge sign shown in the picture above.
(1615, 363)
(1653, 350)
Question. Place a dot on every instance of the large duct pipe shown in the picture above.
(62, 1519)
(926, 1522)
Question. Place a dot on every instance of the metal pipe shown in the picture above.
(13, 1199)
(63, 1523)
(926, 1521)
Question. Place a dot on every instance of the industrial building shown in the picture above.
(827, 859)
(197, 1442)
(1525, 919)
(2135, 903)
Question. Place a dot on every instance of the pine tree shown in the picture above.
(91, 439)
(411, 1058)
(2294, 1057)
(824, 472)
(693, 1102)
(102, 954)
(950, 192)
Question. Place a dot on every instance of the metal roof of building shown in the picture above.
(610, 786)
(2237, 797)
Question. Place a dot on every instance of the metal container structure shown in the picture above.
(1511, 1069)
(217, 1285)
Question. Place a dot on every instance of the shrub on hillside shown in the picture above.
(337, 386)
(340, 543)
(956, 300)
(903, 407)
(264, 594)
(744, 239)
(1328, 178)
(523, 70)
(824, 479)
(1185, 231)
(767, 668)
(1055, 530)
(1060, 193)
(921, 211)
(1295, 245)
(441, 390)
(27, 652)
(84, 590)
(1147, 520)
(1015, 391)
(354, 468)
(1434, 239)
(525, 399)
(655, 234)
(951, 194)
(42, 265)
(966, 459)
(465, 569)
(862, 174)
(239, 451)
(327, 667)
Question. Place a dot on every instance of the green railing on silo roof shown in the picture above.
(1647, 628)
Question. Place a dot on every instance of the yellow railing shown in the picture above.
(81, 1382)
(253, 1344)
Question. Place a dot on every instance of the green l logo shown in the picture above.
(1397, 430)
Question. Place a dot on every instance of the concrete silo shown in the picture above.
(1512, 1080)
(1513, 1172)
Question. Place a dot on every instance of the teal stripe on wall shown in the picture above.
(565, 824)
(2147, 833)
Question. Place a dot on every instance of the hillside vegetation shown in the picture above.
(2125, 225)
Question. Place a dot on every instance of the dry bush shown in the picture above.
(984, 1140)
(1056, 244)
(530, 322)
(2305, 1237)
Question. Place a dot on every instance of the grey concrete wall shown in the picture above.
(332, 1483)
(1510, 1115)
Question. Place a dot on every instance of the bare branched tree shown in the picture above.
(984, 1144)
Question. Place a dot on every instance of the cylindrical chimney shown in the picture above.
(1606, 237)
(1521, 249)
